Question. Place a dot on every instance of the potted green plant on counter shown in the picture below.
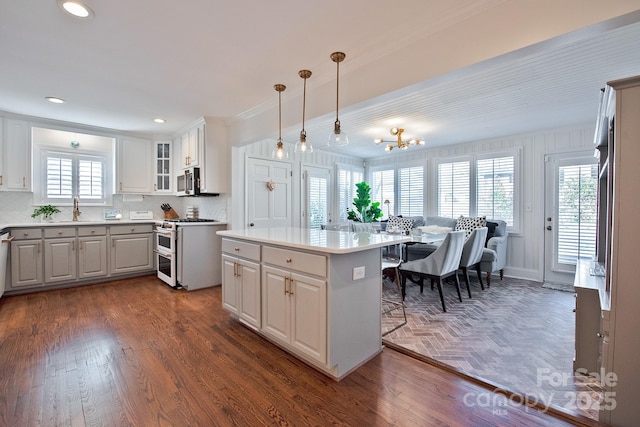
(46, 211)
(364, 211)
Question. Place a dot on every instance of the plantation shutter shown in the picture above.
(59, 176)
(453, 189)
(494, 188)
(347, 179)
(383, 188)
(317, 194)
(577, 212)
(90, 178)
(410, 191)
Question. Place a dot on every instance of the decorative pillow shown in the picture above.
(399, 224)
(435, 229)
(468, 224)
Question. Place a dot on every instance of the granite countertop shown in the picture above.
(326, 241)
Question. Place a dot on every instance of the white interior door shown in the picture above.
(268, 193)
(316, 197)
(570, 213)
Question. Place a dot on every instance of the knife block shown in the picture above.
(171, 214)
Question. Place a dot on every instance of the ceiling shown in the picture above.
(449, 72)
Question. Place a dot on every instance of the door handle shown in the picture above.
(549, 227)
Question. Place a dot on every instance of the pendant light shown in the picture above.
(280, 152)
(302, 146)
(337, 137)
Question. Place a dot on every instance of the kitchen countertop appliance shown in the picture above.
(188, 252)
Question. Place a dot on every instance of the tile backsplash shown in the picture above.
(17, 207)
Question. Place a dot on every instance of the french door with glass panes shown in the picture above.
(570, 213)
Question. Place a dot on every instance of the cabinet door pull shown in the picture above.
(1, 180)
(235, 269)
(80, 244)
(286, 286)
(73, 245)
(38, 247)
(24, 181)
(290, 285)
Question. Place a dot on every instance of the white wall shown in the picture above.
(526, 248)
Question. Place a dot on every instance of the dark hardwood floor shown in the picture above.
(135, 352)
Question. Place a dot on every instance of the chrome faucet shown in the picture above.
(76, 211)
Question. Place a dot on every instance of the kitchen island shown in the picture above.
(314, 293)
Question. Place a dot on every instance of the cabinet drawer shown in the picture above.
(241, 249)
(50, 233)
(300, 261)
(92, 231)
(26, 233)
(131, 229)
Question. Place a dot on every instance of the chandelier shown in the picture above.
(403, 145)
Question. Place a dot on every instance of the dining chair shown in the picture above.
(472, 255)
(440, 264)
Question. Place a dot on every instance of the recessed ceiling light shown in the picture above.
(76, 8)
(159, 120)
(54, 100)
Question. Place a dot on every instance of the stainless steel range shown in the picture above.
(188, 252)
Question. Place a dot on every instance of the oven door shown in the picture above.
(166, 264)
(165, 240)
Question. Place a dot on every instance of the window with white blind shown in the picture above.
(494, 188)
(411, 191)
(348, 177)
(67, 175)
(577, 212)
(317, 195)
(383, 188)
(453, 189)
(479, 186)
(403, 188)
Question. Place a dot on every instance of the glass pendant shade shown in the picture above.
(279, 152)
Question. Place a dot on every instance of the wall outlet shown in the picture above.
(358, 273)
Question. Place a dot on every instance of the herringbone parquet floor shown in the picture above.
(515, 334)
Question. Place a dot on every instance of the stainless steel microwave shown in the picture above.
(188, 183)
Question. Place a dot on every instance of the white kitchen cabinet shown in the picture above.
(26, 258)
(241, 288)
(294, 311)
(60, 260)
(2, 185)
(16, 156)
(163, 167)
(131, 248)
(92, 252)
(204, 144)
(241, 280)
(191, 146)
(133, 168)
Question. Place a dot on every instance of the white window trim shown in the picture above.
(39, 176)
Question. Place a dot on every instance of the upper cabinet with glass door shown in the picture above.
(163, 171)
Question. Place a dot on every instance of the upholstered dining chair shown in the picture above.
(440, 264)
(472, 255)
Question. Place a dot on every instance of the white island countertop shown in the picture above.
(326, 241)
